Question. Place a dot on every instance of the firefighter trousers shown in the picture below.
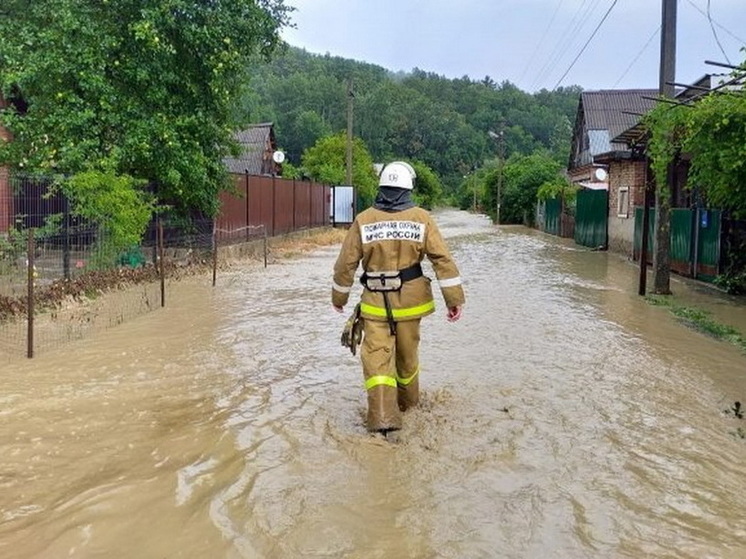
(391, 370)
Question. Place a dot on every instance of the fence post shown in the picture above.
(162, 267)
(66, 247)
(30, 306)
(264, 227)
(214, 255)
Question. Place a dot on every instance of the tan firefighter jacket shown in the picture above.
(386, 241)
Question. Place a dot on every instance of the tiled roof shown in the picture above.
(255, 142)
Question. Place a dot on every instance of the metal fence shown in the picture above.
(696, 241)
(54, 266)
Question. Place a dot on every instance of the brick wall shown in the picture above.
(632, 176)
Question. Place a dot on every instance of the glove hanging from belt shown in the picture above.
(352, 334)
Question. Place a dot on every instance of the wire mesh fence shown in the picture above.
(54, 267)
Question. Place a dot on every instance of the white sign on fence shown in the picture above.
(343, 208)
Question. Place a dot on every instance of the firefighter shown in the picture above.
(390, 240)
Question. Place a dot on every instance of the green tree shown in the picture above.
(428, 189)
(138, 89)
(523, 176)
(326, 161)
(716, 140)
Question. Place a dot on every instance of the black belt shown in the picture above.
(413, 272)
(407, 274)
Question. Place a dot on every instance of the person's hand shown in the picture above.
(340, 310)
(454, 313)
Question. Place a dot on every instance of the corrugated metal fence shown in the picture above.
(695, 241)
(277, 205)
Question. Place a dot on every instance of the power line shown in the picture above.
(714, 33)
(565, 40)
(637, 57)
(541, 41)
(600, 23)
(701, 11)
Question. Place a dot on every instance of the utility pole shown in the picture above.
(662, 255)
(350, 103)
(500, 137)
(501, 162)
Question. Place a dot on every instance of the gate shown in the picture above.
(592, 218)
(552, 213)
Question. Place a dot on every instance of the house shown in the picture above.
(599, 160)
(257, 156)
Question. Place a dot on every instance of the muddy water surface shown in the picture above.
(562, 417)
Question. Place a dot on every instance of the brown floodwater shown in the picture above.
(562, 417)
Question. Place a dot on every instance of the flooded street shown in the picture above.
(562, 417)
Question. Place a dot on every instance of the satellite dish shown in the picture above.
(601, 175)
(278, 157)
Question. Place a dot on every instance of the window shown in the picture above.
(622, 208)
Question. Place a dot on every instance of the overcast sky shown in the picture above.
(531, 43)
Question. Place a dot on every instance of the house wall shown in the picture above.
(581, 174)
(629, 175)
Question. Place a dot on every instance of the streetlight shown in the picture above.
(500, 137)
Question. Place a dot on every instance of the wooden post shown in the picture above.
(66, 245)
(215, 255)
(30, 247)
(162, 267)
(265, 245)
(667, 78)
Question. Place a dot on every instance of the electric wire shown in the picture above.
(565, 40)
(637, 57)
(541, 41)
(714, 33)
(728, 31)
(600, 23)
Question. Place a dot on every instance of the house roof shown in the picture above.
(608, 113)
(256, 141)
(686, 94)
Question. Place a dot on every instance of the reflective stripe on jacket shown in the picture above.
(384, 241)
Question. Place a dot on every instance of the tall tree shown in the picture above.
(325, 161)
(130, 88)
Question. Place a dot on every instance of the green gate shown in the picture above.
(592, 218)
(552, 213)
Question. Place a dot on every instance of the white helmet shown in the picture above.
(398, 174)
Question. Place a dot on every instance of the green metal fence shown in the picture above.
(592, 218)
(695, 241)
